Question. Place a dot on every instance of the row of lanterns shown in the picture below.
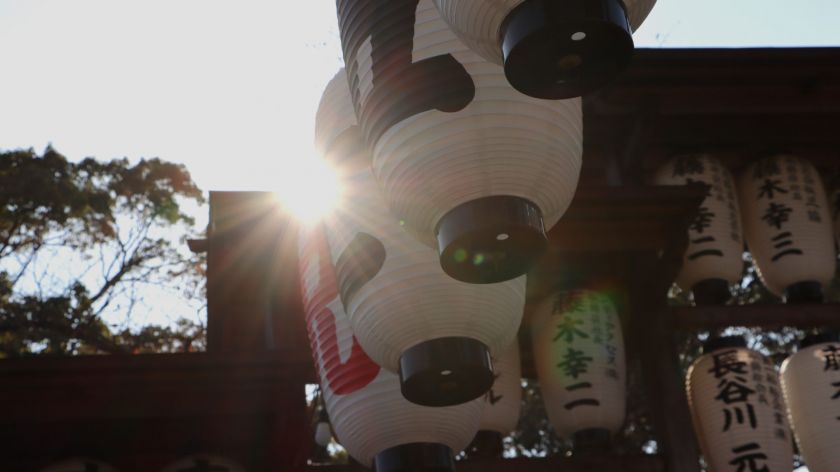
(580, 361)
(741, 408)
(787, 226)
(414, 364)
(468, 164)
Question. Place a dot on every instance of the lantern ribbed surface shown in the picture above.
(446, 129)
(478, 23)
(787, 224)
(502, 143)
(405, 298)
(579, 357)
(715, 241)
(365, 406)
(811, 383)
(503, 402)
(738, 411)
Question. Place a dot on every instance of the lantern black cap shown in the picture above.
(486, 445)
(563, 49)
(804, 292)
(415, 457)
(592, 441)
(723, 342)
(445, 371)
(819, 338)
(711, 292)
(491, 239)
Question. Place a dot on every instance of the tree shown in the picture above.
(115, 227)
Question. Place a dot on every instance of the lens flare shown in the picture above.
(310, 190)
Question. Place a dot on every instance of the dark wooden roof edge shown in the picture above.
(765, 315)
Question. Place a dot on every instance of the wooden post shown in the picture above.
(253, 297)
(653, 336)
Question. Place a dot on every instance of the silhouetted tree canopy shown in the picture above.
(77, 239)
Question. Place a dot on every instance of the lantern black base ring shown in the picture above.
(711, 292)
(563, 49)
(412, 457)
(491, 239)
(445, 371)
(804, 292)
(592, 441)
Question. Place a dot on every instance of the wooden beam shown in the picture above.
(152, 409)
(770, 316)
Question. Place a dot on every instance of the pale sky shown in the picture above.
(230, 88)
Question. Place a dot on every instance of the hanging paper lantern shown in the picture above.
(738, 409)
(501, 405)
(550, 49)
(409, 316)
(79, 465)
(787, 226)
(713, 258)
(811, 383)
(469, 164)
(202, 463)
(579, 357)
(370, 417)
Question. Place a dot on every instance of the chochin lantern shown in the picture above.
(408, 315)
(811, 383)
(370, 417)
(550, 48)
(788, 227)
(469, 164)
(502, 404)
(738, 409)
(579, 357)
(713, 258)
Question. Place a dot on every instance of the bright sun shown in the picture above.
(309, 190)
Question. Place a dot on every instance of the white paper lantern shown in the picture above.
(469, 164)
(788, 227)
(501, 405)
(715, 243)
(409, 316)
(579, 357)
(811, 383)
(550, 49)
(79, 465)
(503, 401)
(738, 409)
(202, 462)
(369, 416)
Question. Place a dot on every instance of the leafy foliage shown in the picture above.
(117, 225)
